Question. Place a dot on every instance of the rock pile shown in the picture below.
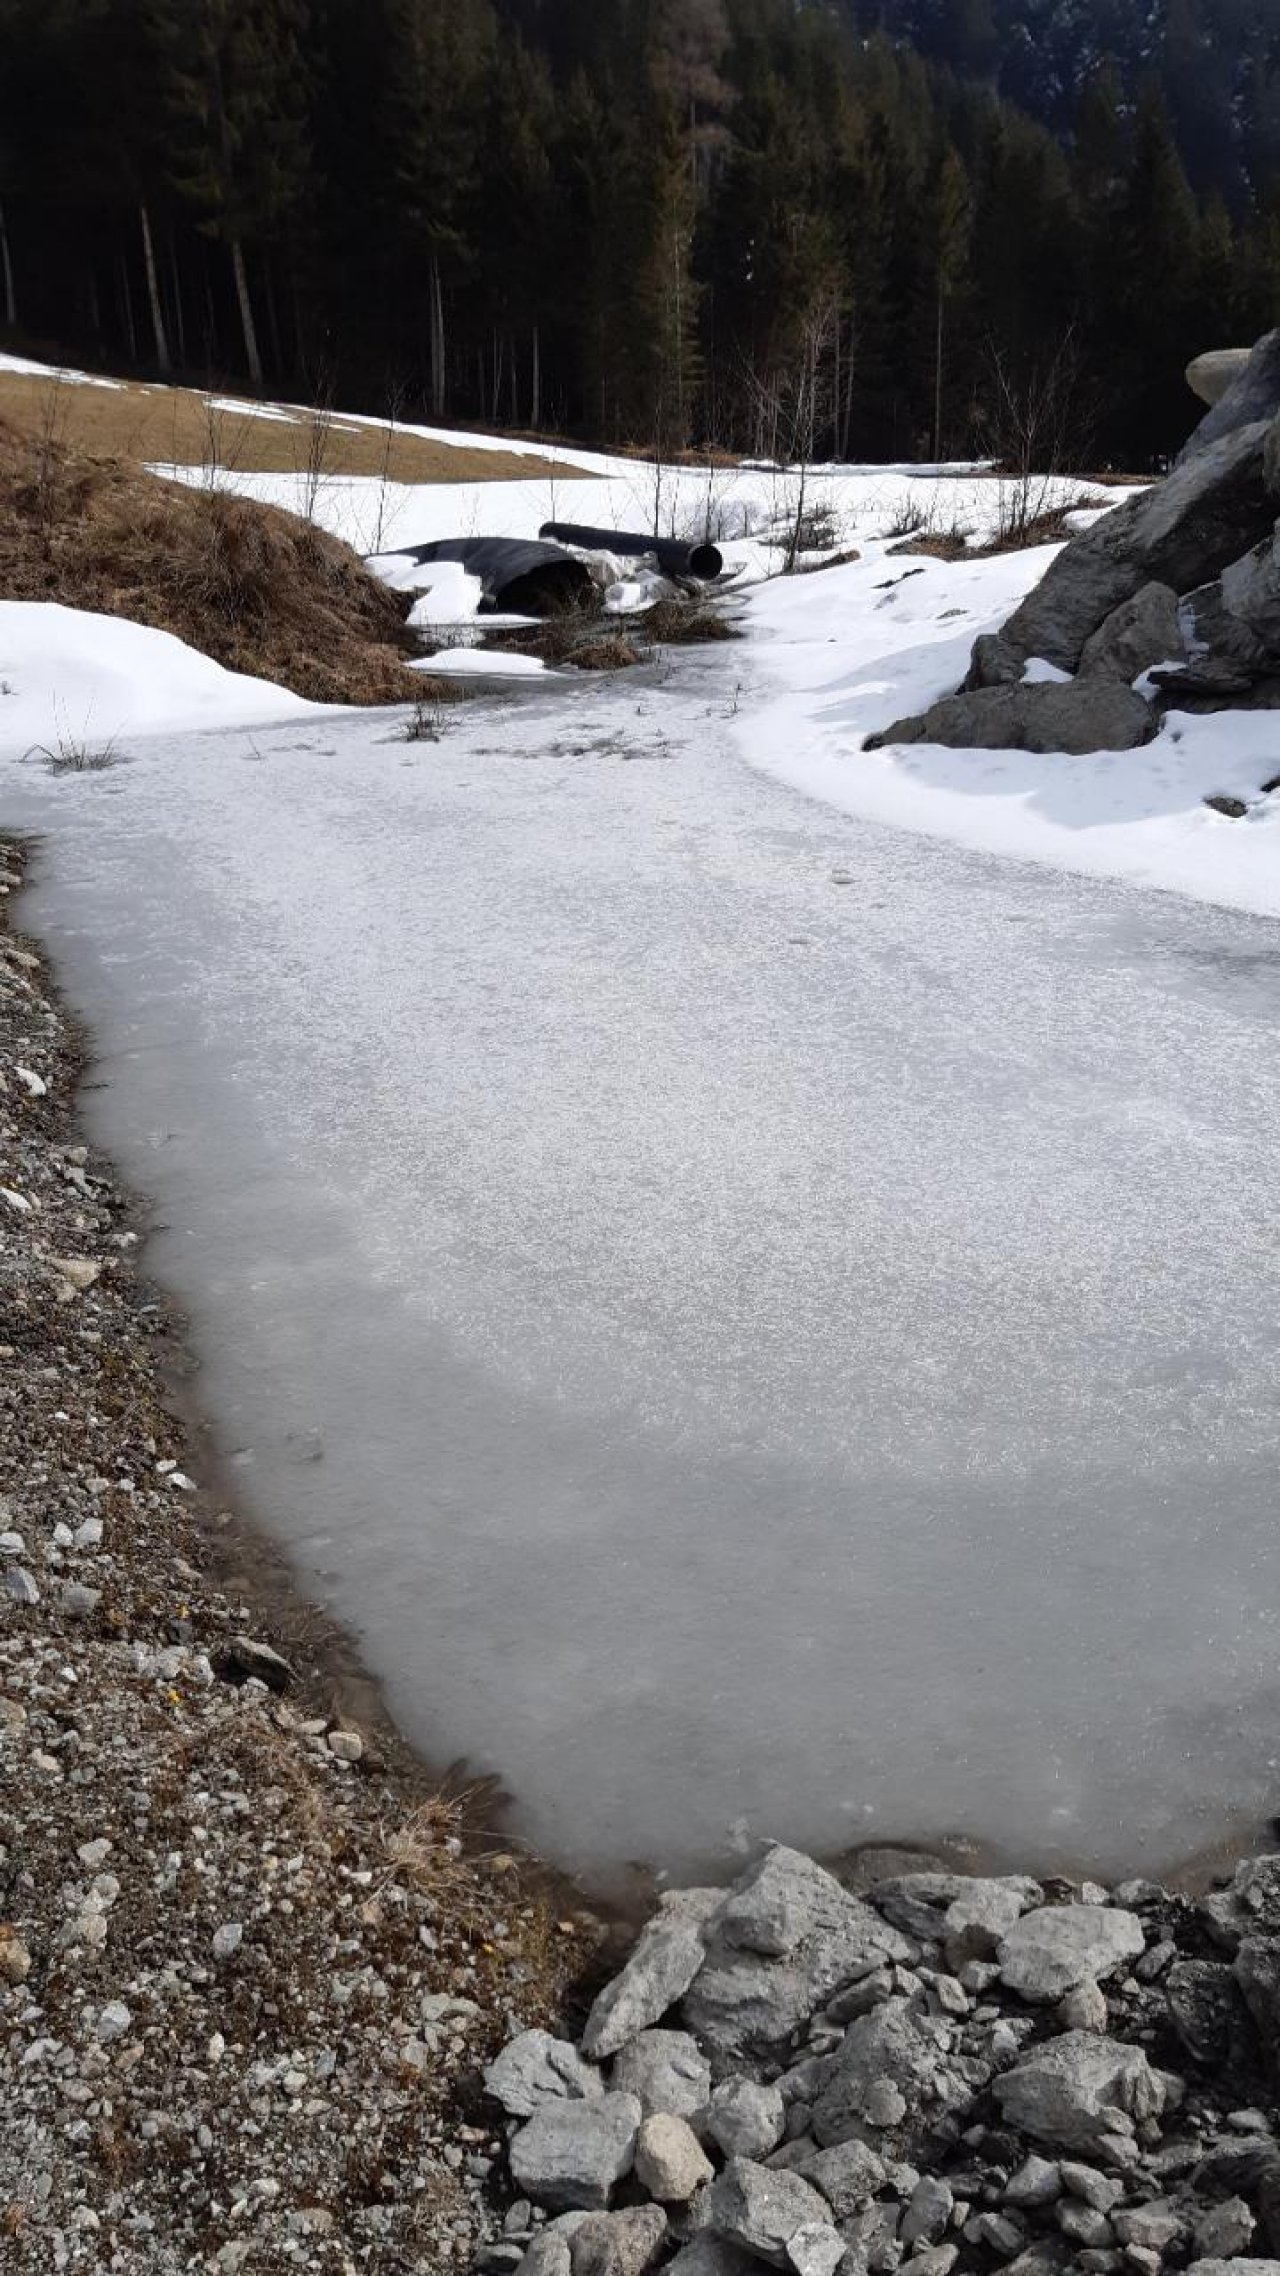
(1171, 601)
(940, 2072)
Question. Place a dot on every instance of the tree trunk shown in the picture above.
(163, 364)
(10, 297)
(850, 368)
(535, 407)
(251, 355)
(937, 384)
(175, 289)
(438, 391)
(126, 303)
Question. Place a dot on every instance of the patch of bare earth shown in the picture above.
(261, 591)
(250, 1961)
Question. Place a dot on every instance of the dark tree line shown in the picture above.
(767, 224)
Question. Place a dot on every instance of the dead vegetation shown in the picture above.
(589, 641)
(257, 589)
(177, 426)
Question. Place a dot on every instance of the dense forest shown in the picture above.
(864, 228)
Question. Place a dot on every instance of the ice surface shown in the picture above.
(761, 1322)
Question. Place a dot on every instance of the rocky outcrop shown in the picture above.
(1171, 602)
(988, 2074)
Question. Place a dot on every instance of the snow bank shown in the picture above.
(843, 654)
(70, 679)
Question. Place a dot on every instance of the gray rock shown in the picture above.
(975, 1921)
(1205, 2005)
(1210, 375)
(1080, 2092)
(849, 2175)
(667, 1957)
(1046, 716)
(670, 2160)
(245, 1657)
(537, 2068)
(928, 2211)
(934, 2260)
(746, 2120)
(1250, 1906)
(666, 2070)
(1183, 532)
(709, 2255)
(816, 2250)
(1234, 2268)
(779, 1901)
(1084, 2008)
(1257, 1971)
(571, 2154)
(547, 2256)
(762, 2210)
(1084, 2225)
(1140, 634)
(1049, 1952)
(885, 2068)
(20, 1585)
(618, 2244)
(1253, 394)
(785, 1939)
(1152, 2227)
(1101, 2190)
(1224, 2230)
(1037, 2182)
(917, 1903)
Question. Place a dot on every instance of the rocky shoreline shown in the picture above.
(927, 2072)
(249, 1966)
(262, 2007)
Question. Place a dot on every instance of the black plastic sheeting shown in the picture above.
(517, 574)
(672, 555)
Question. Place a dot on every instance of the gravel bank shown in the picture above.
(249, 1967)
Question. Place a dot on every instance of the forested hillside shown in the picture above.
(759, 223)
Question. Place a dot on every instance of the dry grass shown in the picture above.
(176, 426)
(256, 589)
(590, 641)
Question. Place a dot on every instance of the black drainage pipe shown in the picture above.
(704, 562)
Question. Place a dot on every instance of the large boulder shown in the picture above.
(1237, 616)
(1035, 715)
(1248, 1906)
(1082, 2092)
(786, 1937)
(1210, 375)
(1252, 394)
(1140, 634)
(1182, 532)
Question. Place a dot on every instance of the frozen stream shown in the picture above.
(755, 1321)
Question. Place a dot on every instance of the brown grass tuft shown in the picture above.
(256, 589)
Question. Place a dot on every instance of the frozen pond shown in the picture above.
(756, 1322)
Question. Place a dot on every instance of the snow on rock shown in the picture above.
(72, 683)
(481, 663)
